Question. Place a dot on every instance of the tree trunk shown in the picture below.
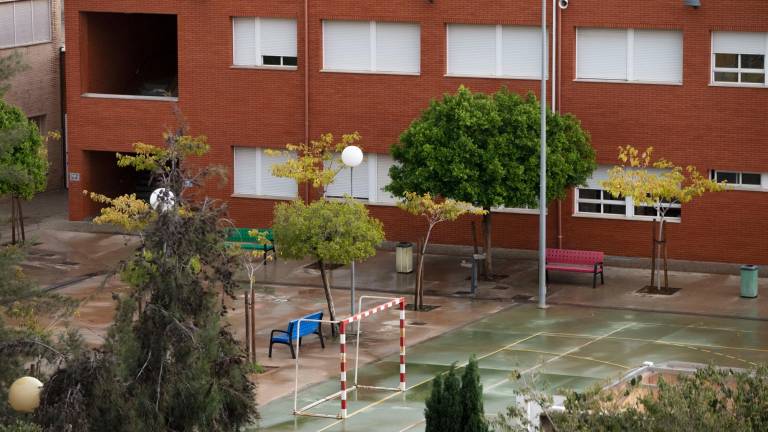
(253, 323)
(328, 295)
(13, 219)
(488, 262)
(21, 220)
(659, 253)
(247, 309)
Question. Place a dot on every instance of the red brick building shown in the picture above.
(258, 74)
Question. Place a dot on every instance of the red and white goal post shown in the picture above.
(343, 327)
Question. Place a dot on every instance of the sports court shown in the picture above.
(562, 347)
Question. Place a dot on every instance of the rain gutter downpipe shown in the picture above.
(543, 162)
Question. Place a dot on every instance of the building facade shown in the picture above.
(691, 82)
(35, 29)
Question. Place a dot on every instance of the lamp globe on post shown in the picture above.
(24, 394)
(352, 156)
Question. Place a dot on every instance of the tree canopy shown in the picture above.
(484, 149)
(23, 155)
(332, 232)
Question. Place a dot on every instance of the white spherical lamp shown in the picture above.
(352, 156)
(162, 199)
(24, 394)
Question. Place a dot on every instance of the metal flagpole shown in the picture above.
(352, 196)
(543, 162)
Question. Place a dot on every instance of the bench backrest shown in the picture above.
(242, 235)
(307, 327)
(569, 256)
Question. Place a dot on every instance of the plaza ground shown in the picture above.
(561, 347)
(587, 336)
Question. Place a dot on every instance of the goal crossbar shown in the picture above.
(342, 393)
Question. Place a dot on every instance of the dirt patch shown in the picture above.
(653, 290)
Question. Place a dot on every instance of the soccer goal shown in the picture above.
(344, 326)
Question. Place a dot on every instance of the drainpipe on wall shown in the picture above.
(555, 87)
(306, 85)
(63, 115)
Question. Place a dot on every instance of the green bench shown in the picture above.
(243, 238)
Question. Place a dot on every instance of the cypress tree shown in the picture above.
(473, 416)
(444, 409)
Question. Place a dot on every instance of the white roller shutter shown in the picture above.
(521, 51)
(246, 167)
(276, 186)
(347, 45)
(383, 163)
(340, 185)
(471, 49)
(41, 10)
(601, 54)
(278, 37)
(739, 43)
(22, 20)
(398, 47)
(245, 44)
(658, 56)
(6, 25)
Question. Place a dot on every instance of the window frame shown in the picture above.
(259, 56)
(372, 66)
(762, 187)
(34, 41)
(259, 193)
(375, 193)
(628, 202)
(713, 69)
(630, 51)
(499, 55)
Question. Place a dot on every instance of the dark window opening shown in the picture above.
(279, 61)
(130, 54)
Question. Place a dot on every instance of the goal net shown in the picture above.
(345, 327)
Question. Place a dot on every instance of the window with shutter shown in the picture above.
(253, 175)
(383, 164)
(369, 46)
(258, 41)
(494, 51)
(24, 22)
(629, 55)
(359, 185)
(738, 58)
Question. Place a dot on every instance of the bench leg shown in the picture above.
(546, 277)
(594, 280)
(320, 333)
(290, 344)
(602, 279)
(270, 348)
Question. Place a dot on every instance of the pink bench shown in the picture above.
(576, 261)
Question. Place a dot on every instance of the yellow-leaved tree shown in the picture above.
(316, 163)
(434, 211)
(660, 184)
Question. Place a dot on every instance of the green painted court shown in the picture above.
(560, 347)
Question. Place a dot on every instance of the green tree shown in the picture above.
(484, 149)
(331, 232)
(10, 65)
(173, 364)
(24, 342)
(660, 184)
(435, 212)
(443, 411)
(473, 414)
(23, 162)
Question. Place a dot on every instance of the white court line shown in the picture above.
(570, 351)
(426, 381)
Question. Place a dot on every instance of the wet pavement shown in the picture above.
(556, 348)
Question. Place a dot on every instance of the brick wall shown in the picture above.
(693, 123)
(36, 91)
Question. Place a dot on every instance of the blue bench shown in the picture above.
(287, 337)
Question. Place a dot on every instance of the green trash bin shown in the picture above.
(749, 281)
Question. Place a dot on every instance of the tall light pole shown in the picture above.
(543, 162)
(352, 156)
